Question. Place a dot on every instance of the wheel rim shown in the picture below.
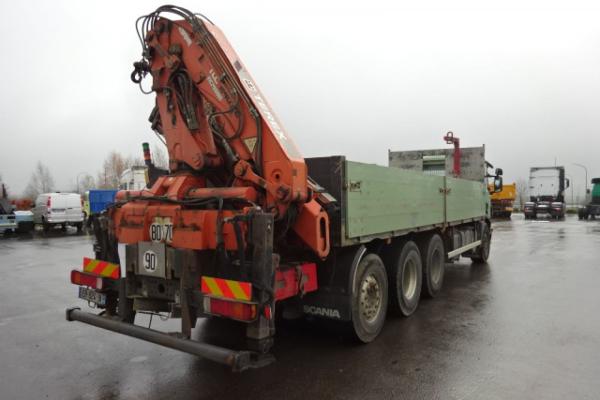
(370, 298)
(436, 266)
(409, 278)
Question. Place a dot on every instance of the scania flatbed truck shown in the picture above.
(243, 227)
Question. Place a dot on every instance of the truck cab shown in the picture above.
(546, 190)
(134, 178)
(592, 209)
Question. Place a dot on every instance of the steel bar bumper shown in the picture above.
(237, 360)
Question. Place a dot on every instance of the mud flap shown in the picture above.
(333, 300)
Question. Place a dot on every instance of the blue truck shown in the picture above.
(96, 201)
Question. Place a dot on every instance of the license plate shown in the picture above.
(92, 295)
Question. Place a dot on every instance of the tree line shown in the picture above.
(108, 177)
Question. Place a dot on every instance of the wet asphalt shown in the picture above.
(524, 326)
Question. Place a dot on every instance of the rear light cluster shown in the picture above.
(48, 203)
(85, 279)
(231, 309)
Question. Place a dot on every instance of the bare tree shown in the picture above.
(41, 181)
(159, 157)
(86, 182)
(522, 192)
(112, 169)
(3, 188)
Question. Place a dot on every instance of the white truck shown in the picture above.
(546, 192)
(134, 178)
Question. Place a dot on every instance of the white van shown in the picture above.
(52, 209)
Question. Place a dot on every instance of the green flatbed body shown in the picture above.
(382, 202)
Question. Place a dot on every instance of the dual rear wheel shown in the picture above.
(410, 271)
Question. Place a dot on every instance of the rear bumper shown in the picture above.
(237, 360)
(60, 220)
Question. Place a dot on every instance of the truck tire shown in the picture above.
(369, 298)
(482, 253)
(405, 274)
(433, 262)
(79, 226)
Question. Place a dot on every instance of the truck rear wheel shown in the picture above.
(406, 277)
(369, 298)
(482, 252)
(433, 260)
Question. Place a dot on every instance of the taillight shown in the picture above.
(230, 309)
(48, 202)
(83, 279)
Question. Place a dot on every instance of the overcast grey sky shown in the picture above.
(345, 78)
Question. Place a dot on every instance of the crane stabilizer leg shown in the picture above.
(237, 360)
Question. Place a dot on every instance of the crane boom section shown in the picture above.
(213, 116)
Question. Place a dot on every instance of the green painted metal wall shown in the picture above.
(383, 199)
(465, 199)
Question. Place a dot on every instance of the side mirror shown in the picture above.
(588, 191)
(568, 183)
(498, 184)
(499, 172)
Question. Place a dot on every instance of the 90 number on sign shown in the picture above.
(150, 261)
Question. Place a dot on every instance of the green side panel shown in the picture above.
(383, 199)
(596, 190)
(466, 199)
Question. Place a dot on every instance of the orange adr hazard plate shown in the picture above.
(226, 288)
(101, 268)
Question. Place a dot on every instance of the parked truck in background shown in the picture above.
(8, 221)
(134, 178)
(592, 209)
(243, 227)
(503, 201)
(95, 201)
(13, 220)
(547, 186)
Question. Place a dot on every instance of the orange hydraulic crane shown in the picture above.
(235, 212)
(225, 143)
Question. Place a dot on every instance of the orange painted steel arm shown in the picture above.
(219, 127)
(212, 113)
